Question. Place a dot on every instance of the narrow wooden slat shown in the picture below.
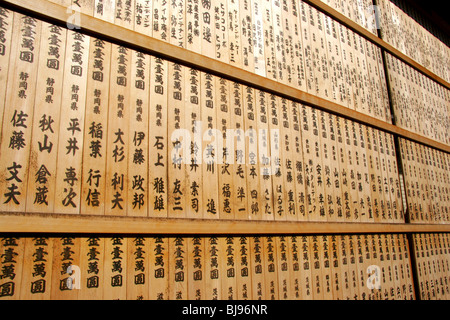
(63, 223)
(108, 31)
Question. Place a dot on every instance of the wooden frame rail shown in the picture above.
(82, 224)
(57, 14)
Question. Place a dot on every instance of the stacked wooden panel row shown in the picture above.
(432, 255)
(413, 40)
(426, 173)
(206, 268)
(287, 41)
(420, 104)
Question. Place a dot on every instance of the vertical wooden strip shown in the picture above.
(65, 265)
(269, 40)
(18, 112)
(295, 279)
(92, 253)
(96, 123)
(234, 28)
(177, 23)
(244, 264)
(177, 268)
(138, 268)
(143, 17)
(176, 142)
(71, 129)
(193, 26)
(306, 280)
(115, 268)
(42, 170)
(226, 151)
(194, 194)
(12, 267)
(211, 152)
(228, 268)
(336, 266)
(196, 265)
(252, 162)
(221, 43)
(257, 271)
(207, 29)
(37, 267)
(158, 139)
(264, 155)
(212, 268)
(138, 162)
(159, 268)
(285, 290)
(240, 146)
(325, 243)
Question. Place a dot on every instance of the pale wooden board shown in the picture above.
(118, 136)
(298, 161)
(258, 267)
(227, 204)
(307, 47)
(295, 279)
(159, 268)
(373, 202)
(158, 139)
(246, 23)
(264, 154)
(228, 270)
(347, 58)
(270, 267)
(207, 29)
(355, 290)
(327, 268)
(66, 252)
(318, 286)
(343, 176)
(210, 149)
(336, 268)
(244, 267)
(18, 113)
(12, 263)
(382, 148)
(104, 9)
(161, 22)
(396, 267)
(252, 161)
(284, 270)
(269, 40)
(115, 268)
(220, 23)
(195, 261)
(407, 286)
(288, 27)
(327, 167)
(176, 143)
(362, 175)
(234, 33)
(395, 183)
(298, 52)
(362, 265)
(37, 267)
(177, 23)
(143, 17)
(93, 176)
(276, 158)
(213, 272)
(138, 268)
(45, 127)
(7, 20)
(279, 46)
(92, 253)
(193, 163)
(71, 123)
(288, 160)
(177, 275)
(138, 162)
(306, 286)
(237, 152)
(352, 176)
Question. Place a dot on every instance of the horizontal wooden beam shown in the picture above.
(87, 224)
(336, 15)
(58, 14)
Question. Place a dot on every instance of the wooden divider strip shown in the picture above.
(85, 224)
